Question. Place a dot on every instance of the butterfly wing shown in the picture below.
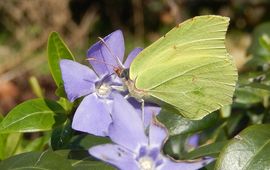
(189, 67)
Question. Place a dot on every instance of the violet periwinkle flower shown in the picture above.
(133, 149)
(193, 142)
(93, 114)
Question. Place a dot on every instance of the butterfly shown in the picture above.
(188, 69)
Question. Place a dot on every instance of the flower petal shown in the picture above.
(114, 47)
(193, 141)
(79, 80)
(127, 128)
(132, 55)
(157, 135)
(149, 110)
(171, 165)
(92, 116)
(115, 155)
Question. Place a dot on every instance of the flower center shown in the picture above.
(103, 90)
(146, 163)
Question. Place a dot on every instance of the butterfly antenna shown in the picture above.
(108, 76)
(99, 61)
(110, 51)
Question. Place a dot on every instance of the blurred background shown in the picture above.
(26, 24)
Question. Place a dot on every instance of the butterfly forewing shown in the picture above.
(189, 68)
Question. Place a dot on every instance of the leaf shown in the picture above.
(66, 104)
(256, 48)
(248, 150)
(36, 160)
(36, 87)
(2, 141)
(93, 165)
(225, 111)
(2, 146)
(9, 144)
(265, 42)
(12, 143)
(235, 123)
(87, 141)
(79, 146)
(175, 146)
(249, 95)
(57, 50)
(33, 116)
(177, 124)
(1, 117)
(61, 136)
(81, 161)
(60, 91)
(257, 86)
(212, 149)
(37, 144)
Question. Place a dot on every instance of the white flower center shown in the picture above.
(146, 163)
(103, 90)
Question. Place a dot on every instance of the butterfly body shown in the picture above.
(129, 84)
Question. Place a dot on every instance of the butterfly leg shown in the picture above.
(119, 88)
(142, 101)
(143, 111)
(127, 96)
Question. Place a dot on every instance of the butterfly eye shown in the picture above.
(125, 74)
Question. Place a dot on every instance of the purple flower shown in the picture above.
(133, 149)
(193, 142)
(93, 114)
(111, 53)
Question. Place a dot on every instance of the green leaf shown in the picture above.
(249, 95)
(248, 150)
(61, 136)
(175, 146)
(36, 161)
(265, 42)
(79, 155)
(60, 91)
(209, 166)
(57, 50)
(33, 116)
(66, 104)
(93, 165)
(256, 48)
(212, 149)
(177, 124)
(79, 146)
(2, 146)
(87, 141)
(12, 144)
(233, 123)
(81, 161)
(1, 117)
(9, 144)
(36, 87)
(2, 141)
(37, 144)
(257, 86)
(225, 111)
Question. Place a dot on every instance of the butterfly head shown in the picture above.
(124, 74)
